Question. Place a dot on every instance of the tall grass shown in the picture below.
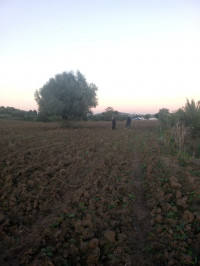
(182, 128)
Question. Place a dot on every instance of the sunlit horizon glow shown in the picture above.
(142, 55)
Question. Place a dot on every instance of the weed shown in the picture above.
(195, 173)
(131, 196)
(172, 215)
(181, 236)
(93, 212)
(47, 231)
(65, 245)
(125, 204)
(183, 158)
(83, 206)
(119, 178)
(148, 248)
(3, 165)
(111, 206)
(110, 256)
(66, 263)
(194, 196)
(151, 235)
(96, 198)
(5, 205)
(195, 259)
(72, 240)
(180, 227)
(48, 251)
(71, 215)
(164, 181)
(148, 196)
(115, 145)
(58, 222)
(108, 246)
(144, 167)
(131, 182)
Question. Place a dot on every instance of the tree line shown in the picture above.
(32, 115)
(68, 96)
(109, 112)
(17, 114)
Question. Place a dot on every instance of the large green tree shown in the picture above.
(67, 95)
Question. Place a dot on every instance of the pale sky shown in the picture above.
(142, 55)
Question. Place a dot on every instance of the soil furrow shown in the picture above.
(93, 196)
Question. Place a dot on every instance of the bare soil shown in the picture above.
(89, 195)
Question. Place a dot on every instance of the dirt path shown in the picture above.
(140, 215)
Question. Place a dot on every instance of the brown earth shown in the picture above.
(88, 195)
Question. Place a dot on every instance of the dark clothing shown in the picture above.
(113, 124)
(128, 122)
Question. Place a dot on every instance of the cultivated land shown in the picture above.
(92, 196)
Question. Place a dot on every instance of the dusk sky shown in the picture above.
(142, 55)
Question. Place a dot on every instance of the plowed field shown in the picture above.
(92, 196)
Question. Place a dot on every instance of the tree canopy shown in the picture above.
(109, 113)
(164, 116)
(67, 95)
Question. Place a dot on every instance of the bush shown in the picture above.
(189, 115)
(184, 126)
(164, 117)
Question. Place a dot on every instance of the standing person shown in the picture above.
(113, 123)
(128, 122)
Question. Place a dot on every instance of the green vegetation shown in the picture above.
(180, 130)
(68, 96)
(17, 114)
(110, 112)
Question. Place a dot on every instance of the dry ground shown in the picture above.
(88, 195)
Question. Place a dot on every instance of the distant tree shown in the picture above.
(109, 110)
(17, 114)
(67, 95)
(147, 116)
(164, 116)
(109, 113)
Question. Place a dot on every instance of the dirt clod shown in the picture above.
(188, 217)
(110, 236)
